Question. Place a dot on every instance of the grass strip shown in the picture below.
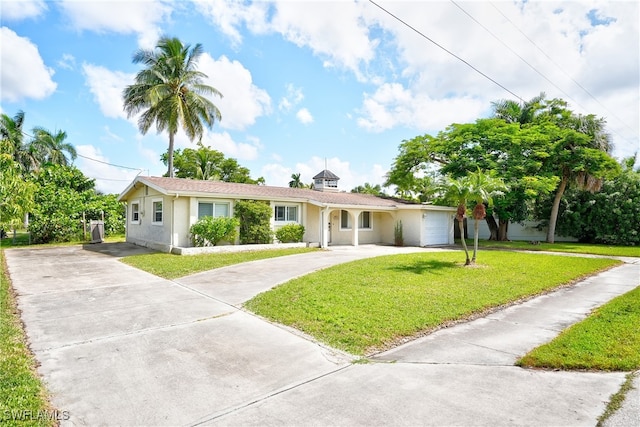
(608, 340)
(170, 266)
(23, 397)
(369, 305)
(616, 400)
(568, 247)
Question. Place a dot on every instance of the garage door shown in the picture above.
(435, 229)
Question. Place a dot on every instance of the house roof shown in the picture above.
(221, 189)
(326, 174)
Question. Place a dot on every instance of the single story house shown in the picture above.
(160, 212)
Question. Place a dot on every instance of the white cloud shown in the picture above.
(242, 102)
(143, 18)
(392, 105)
(23, 73)
(68, 61)
(292, 98)
(109, 179)
(229, 15)
(17, 10)
(106, 87)
(224, 142)
(304, 116)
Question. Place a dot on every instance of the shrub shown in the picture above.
(397, 234)
(290, 233)
(210, 231)
(255, 221)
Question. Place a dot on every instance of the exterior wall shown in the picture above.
(411, 226)
(312, 223)
(526, 231)
(181, 221)
(145, 231)
(377, 233)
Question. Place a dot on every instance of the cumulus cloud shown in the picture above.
(107, 86)
(23, 9)
(143, 18)
(304, 116)
(23, 73)
(292, 98)
(243, 102)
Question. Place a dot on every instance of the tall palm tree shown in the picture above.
(52, 148)
(481, 189)
(12, 136)
(457, 191)
(169, 92)
(518, 112)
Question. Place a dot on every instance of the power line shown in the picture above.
(445, 49)
(110, 164)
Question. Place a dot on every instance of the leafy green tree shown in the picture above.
(169, 92)
(210, 231)
(16, 193)
(609, 216)
(255, 221)
(295, 181)
(63, 194)
(208, 164)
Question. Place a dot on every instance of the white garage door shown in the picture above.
(435, 229)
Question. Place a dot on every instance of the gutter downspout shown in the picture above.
(173, 220)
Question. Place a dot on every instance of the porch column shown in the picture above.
(324, 228)
(354, 226)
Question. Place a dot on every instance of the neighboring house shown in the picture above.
(161, 210)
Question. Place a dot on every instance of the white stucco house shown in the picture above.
(161, 210)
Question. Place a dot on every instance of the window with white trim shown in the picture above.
(214, 209)
(135, 212)
(286, 213)
(157, 212)
(364, 220)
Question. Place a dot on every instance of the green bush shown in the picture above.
(210, 231)
(290, 233)
(255, 221)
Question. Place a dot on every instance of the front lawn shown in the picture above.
(369, 305)
(578, 248)
(607, 340)
(170, 266)
(22, 394)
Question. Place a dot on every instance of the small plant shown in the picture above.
(290, 233)
(397, 234)
(210, 231)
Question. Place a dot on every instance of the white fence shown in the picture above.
(527, 231)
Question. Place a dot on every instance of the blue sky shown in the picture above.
(310, 82)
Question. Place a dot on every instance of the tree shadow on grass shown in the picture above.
(431, 266)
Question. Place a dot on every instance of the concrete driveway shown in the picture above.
(118, 346)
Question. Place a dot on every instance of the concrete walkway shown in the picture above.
(118, 346)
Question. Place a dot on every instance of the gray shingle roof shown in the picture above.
(187, 187)
(326, 174)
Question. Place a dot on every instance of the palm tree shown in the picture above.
(12, 136)
(169, 92)
(51, 148)
(481, 189)
(518, 112)
(457, 191)
(295, 181)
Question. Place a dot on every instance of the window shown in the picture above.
(157, 212)
(364, 220)
(213, 209)
(286, 213)
(135, 212)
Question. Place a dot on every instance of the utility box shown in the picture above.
(97, 231)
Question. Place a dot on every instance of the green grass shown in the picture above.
(171, 266)
(369, 305)
(616, 400)
(608, 340)
(22, 393)
(22, 239)
(580, 248)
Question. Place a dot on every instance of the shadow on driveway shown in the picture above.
(117, 249)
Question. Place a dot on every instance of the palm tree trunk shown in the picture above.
(555, 208)
(464, 243)
(475, 241)
(170, 155)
